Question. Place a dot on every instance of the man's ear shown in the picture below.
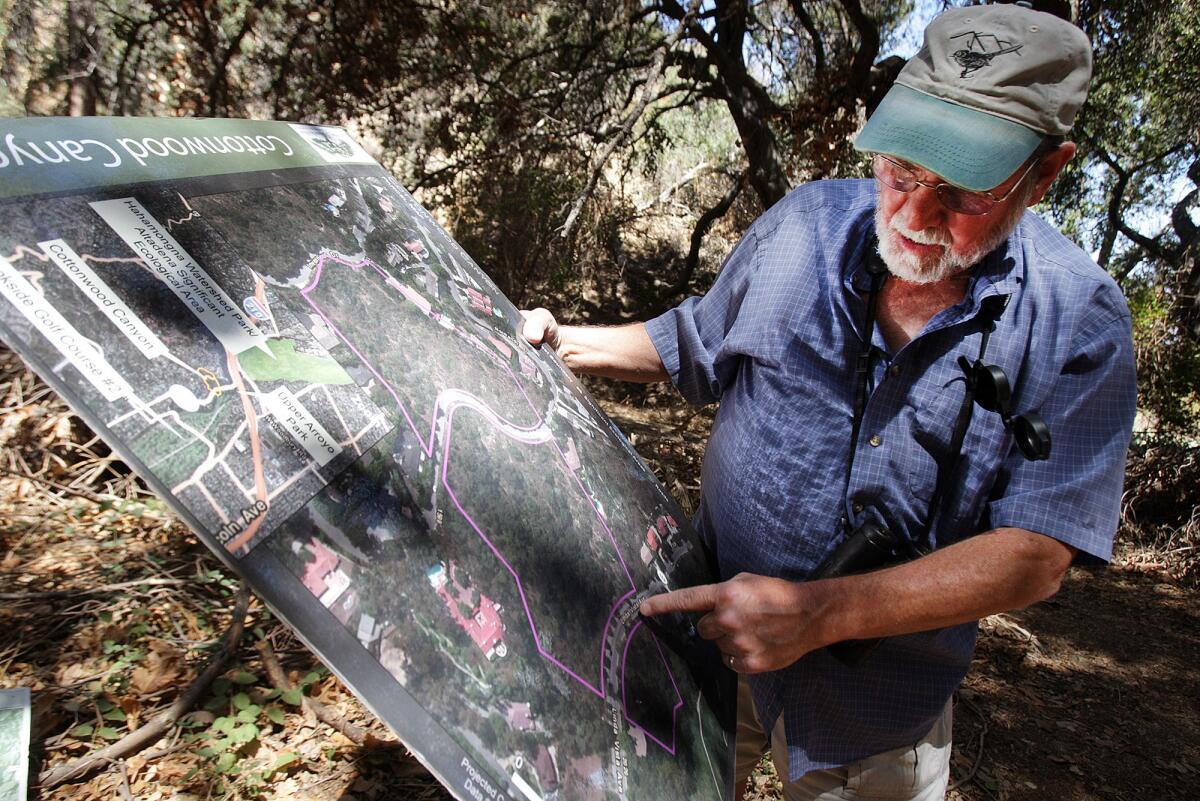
(1048, 169)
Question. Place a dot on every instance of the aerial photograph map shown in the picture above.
(291, 351)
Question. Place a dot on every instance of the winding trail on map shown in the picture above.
(450, 401)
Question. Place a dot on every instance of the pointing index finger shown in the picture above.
(688, 599)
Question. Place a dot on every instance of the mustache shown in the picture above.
(926, 236)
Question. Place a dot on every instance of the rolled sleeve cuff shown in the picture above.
(677, 339)
(1054, 515)
(665, 338)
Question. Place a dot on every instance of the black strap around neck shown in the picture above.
(878, 272)
(990, 310)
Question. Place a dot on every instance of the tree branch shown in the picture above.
(703, 225)
(868, 48)
(356, 734)
(649, 89)
(150, 732)
(1115, 218)
(1115, 199)
(692, 260)
(810, 27)
(216, 84)
(1181, 217)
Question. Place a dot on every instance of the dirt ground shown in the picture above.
(1093, 694)
(109, 608)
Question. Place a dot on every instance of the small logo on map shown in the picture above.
(334, 144)
(255, 309)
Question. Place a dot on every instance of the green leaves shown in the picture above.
(243, 733)
(311, 677)
(244, 677)
(249, 714)
(244, 712)
(226, 762)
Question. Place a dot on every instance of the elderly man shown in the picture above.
(967, 404)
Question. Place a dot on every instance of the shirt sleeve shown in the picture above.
(691, 339)
(1075, 495)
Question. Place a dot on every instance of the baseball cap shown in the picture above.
(989, 84)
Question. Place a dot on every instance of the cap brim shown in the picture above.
(965, 147)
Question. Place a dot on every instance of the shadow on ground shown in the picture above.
(1101, 703)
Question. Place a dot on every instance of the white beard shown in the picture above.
(916, 270)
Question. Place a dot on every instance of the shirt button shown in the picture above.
(876, 441)
(894, 370)
(858, 507)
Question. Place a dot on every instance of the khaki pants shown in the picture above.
(919, 772)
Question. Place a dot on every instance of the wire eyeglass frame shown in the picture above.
(901, 177)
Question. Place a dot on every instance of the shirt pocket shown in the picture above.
(933, 415)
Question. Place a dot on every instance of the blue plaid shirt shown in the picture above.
(775, 341)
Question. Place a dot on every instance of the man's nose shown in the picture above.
(922, 209)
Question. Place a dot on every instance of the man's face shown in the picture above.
(922, 241)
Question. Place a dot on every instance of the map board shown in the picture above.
(290, 351)
(14, 744)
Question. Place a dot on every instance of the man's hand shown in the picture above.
(759, 623)
(769, 623)
(540, 326)
(623, 351)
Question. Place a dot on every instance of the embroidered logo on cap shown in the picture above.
(977, 55)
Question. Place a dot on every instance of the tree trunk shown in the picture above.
(1189, 249)
(765, 168)
(81, 58)
(748, 102)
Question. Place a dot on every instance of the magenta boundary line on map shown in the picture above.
(320, 268)
(582, 490)
(537, 641)
(516, 578)
(625, 702)
(427, 449)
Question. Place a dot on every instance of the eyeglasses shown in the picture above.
(992, 391)
(900, 176)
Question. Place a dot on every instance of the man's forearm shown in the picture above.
(766, 623)
(624, 352)
(993, 572)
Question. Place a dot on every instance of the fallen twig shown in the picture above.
(150, 756)
(356, 734)
(63, 488)
(124, 585)
(979, 753)
(121, 771)
(150, 732)
(1003, 623)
